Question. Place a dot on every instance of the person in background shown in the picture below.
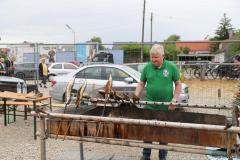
(237, 59)
(158, 76)
(43, 72)
(2, 67)
(9, 62)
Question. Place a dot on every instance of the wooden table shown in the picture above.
(19, 97)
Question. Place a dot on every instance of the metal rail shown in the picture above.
(140, 104)
(121, 142)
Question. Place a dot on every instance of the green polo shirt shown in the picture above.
(159, 83)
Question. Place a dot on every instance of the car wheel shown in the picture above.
(50, 77)
(20, 75)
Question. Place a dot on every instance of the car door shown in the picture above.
(93, 76)
(119, 77)
(56, 69)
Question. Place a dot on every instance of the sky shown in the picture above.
(44, 21)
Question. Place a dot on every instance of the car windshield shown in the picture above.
(131, 71)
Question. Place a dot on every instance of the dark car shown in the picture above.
(103, 57)
(25, 70)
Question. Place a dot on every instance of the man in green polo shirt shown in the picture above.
(159, 76)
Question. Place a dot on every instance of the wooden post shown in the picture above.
(42, 138)
(34, 121)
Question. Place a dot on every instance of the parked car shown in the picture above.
(10, 84)
(106, 57)
(25, 70)
(137, 66)
(96, 76)
(60, 69)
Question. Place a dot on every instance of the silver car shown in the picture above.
(96, 76)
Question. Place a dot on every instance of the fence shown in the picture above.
(209, 83)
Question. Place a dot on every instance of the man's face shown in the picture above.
(157, 59)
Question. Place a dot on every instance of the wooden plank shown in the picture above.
(23, 97)
(134, 132)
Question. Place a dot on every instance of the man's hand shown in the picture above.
(172, 107)
(135, 98)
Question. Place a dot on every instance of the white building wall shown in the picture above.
(219, 58)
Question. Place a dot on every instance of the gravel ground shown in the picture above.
(17, 143)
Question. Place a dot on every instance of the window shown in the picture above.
(90, 73)
(117, 74)
(57, 66)
(69, 66)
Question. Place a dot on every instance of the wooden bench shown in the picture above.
(26, 105)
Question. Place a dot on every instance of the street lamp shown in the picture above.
(74, 41)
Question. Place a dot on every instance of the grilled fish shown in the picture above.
(80, 94)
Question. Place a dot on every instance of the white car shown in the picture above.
(60, 69)
(96, 75)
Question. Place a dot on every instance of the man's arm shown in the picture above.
(177, 91)
(139, 88)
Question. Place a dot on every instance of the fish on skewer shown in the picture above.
(108, 87)
(80, 94)
(108, 90)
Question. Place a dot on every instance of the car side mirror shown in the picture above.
(128, 80)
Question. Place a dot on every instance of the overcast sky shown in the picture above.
(112, 20)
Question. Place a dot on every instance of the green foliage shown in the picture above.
(99, 41)
(171, 51)
(133, 51)
(224, 27)
(214, 46)
(185, 50)
(173, 37)
(234, 48)
(3, 55)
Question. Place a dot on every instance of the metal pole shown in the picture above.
(140, 104)
(81, 150)
(180, 148)
(74, 41)
(42, 138)
(151, 27)
(143, 22)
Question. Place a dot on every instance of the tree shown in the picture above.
(99, 41)
(224, 27)
(222, 32)
(171, 50)
(185, 50)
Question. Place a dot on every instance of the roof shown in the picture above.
(196, 46)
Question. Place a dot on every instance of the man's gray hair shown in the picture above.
(157, 49)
